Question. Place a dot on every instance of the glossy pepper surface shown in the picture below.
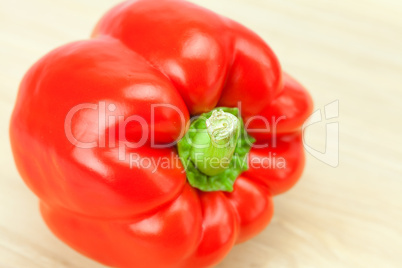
(157, 62)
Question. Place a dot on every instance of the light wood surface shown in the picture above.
(351, 51)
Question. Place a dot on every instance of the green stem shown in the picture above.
(213, 150)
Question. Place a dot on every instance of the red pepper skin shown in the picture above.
(143, 53)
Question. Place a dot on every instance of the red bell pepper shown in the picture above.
(88, 110)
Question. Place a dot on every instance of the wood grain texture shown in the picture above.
(351, 51)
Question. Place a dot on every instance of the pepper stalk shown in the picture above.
(214, 150)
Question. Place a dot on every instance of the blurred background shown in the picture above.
(346, 211)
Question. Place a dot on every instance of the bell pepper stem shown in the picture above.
(213, 149)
